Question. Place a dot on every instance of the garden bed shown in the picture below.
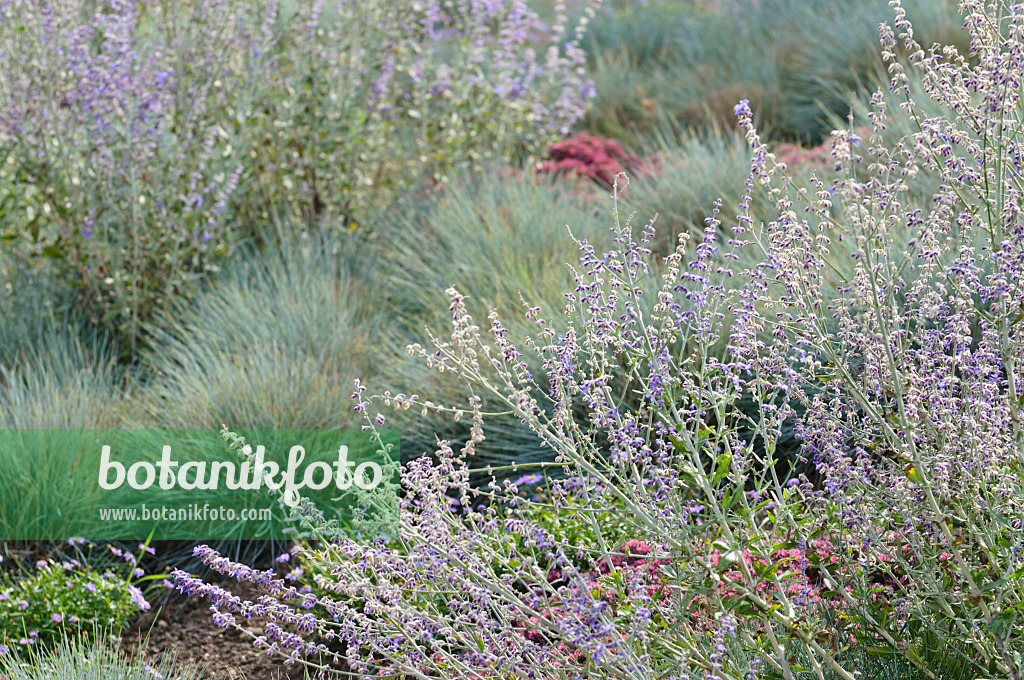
(183, 627)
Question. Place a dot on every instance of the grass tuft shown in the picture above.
(93, 660)
(275, 343)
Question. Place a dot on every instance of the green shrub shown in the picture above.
(354, 118)
(116, 166)
(67, 599)
(133, 135)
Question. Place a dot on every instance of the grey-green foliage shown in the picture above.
(56, 372)
(62, 380)
(29, 300)
(695, 171)
(63, 377)
(91, 660)
(275, 342)
(493, 236)
(844, 57)
(795, 60)
(652, 33)
(883, 662)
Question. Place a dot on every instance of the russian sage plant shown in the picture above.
(896, 330)
(137, 138)
(417, 90)
(115, 163)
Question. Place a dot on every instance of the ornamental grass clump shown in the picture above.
(496, 235)
(272, 342)
(895, 328)
(96, 660)
(797, 60)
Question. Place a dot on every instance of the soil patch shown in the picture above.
(184, 626)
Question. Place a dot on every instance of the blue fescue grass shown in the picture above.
(275, 342)
(30, 299)
(62, 380)
(64, 376)
(497, 236)
(96, 660)
(788, 57)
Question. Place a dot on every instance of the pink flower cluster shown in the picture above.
(594, 158)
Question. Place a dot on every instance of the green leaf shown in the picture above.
(678, 444)
(53, 253)
(993, 585)
(737, 494)
(767, 572)
(723, 464)
(914, 655)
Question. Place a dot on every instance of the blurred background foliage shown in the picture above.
(799, 62)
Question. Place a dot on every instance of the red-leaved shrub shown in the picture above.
(595, 158)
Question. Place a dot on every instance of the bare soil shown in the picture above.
(183, 626)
